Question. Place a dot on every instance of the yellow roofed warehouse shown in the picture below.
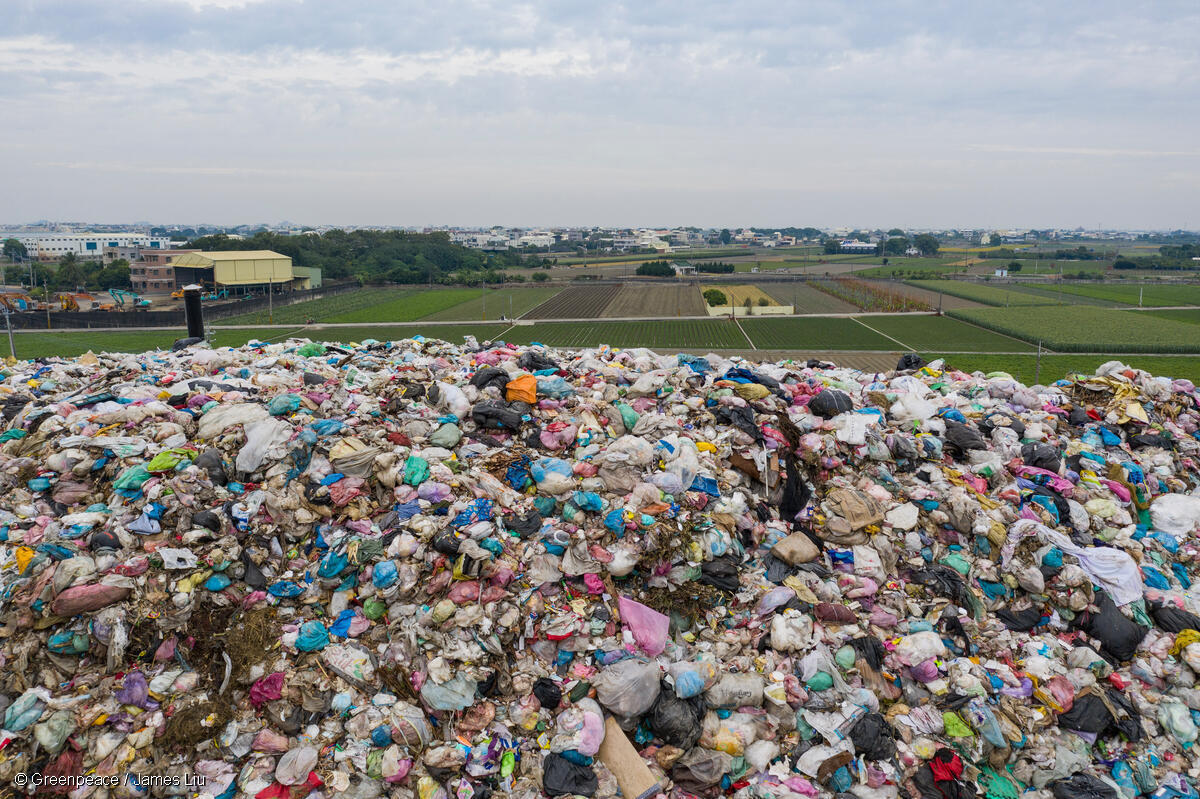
(238, 271)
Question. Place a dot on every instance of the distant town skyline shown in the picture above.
(540, 114)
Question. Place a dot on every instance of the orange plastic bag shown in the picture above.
(523, 389)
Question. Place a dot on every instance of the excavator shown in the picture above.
(136, 302)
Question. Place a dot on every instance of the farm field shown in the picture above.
(1054, 293)
(1056, 367)
(738, 293)
(408, 308)
(322, 310)
(933, 298)
(806, 299)
(922, 333)
(899, 266)
(576, 302)
(1188, 315)
(666, 335)
(511, 302)
(1076, 328)
(983, 293)
(1152, 295)
(40, 344)
(872, 295)
(657, 299)
(814, 333)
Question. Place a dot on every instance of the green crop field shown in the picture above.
(1189, 315)
(1053, 293)
(1057, 367)
(675, 334)
(42, 344)
(1000, 295)
(1151, 295)
(899, 266)
(922, 332)
(408, 308)
(814, 333)
(324, 309)
(512, 302)
(1077, 328)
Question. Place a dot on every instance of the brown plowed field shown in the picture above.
(577, 302)
(657, 300)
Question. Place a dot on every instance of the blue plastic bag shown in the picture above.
(588, 500)
(313, 637)
(384, 574)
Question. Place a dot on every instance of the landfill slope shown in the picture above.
(416, 569)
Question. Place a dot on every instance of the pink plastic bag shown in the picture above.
(648, 626)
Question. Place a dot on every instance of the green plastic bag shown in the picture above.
(416, 470)
(284, 403)
(169, 459)
(955, 726)
(629, 416)
(311, 349)
(131, 478)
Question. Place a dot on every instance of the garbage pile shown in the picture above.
(414, 569)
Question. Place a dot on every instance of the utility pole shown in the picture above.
(271, 298)
(12, 350)
(1037, 377)
(483, 294)
(46, 289)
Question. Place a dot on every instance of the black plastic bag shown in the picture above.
(1151, 440)
(1001, 419)
(207, 519)
(1021, 621)
(676, 721)
(561, 777)
(909, 362)
(1091, 713)
(829, 403)
(253, 576)
(961, 439)
(1083, 786)
(870, 649)
(796, 492)
(526, 525)
(210, 461)
(1119, 635)
(534, 361)
(1079, 417)
(1041, 456)
(741, 418)
(1173, 620)
(548, 693)
(490, 376)
(447, 542)
(932, 786)
(873, 737)
(496, 415)
(720, 573)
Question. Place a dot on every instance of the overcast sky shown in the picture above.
(648, 113)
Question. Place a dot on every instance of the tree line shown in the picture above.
(394, 256)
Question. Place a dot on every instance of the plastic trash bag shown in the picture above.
(648, 627)
(628, 688)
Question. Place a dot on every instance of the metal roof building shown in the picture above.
(244, 269)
